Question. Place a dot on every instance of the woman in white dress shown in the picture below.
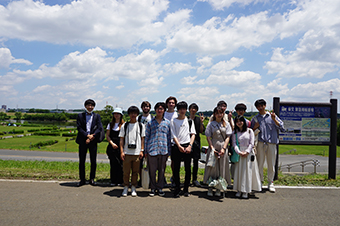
(218, 132)
(243, 143)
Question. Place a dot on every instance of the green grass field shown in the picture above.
(71, 146)
(42, 170)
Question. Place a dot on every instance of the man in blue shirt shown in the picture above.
(269, 125)
(157, 147)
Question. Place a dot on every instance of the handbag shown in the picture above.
(235, 157)
(211, 158)
(145, 176)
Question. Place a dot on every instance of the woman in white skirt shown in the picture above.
(243, 143)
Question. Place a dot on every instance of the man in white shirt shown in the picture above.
(145, 117)
(131, 136)
(180, 132)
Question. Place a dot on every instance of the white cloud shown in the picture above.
(94, 64)
(41, 88)
(110, 23)
(120, 87)
(7, 59)
(317, 91)
(175, 68)
(221, 4)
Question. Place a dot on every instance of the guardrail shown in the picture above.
(313, 162)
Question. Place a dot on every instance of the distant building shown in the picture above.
(4, 107)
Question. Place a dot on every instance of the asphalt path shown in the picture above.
(61, 203)
(6, 154)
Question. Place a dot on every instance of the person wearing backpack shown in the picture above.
(184, 137)
(131, 136)
(89, 128)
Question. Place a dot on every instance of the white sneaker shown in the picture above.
(133, 191)
(245, 195)
(271, 187)
(125, 191)
(238, 194)
(210, 192)
(218, 193)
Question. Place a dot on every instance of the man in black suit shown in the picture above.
(89, 127)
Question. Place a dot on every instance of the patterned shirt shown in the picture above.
(157, 137)
(269, 131)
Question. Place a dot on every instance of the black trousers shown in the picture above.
(92, 146)
(177, 157)
(116, 165)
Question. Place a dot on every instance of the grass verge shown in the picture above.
(42, 170)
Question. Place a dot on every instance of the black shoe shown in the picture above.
(186, 194)
(196, 183)
(81, 183)
(177, 193)
(92, 182)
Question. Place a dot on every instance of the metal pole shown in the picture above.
(276, 108)
(332, 147)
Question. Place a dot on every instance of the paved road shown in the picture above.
(66, 156)
(54, 203)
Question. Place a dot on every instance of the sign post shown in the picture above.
(309, 124)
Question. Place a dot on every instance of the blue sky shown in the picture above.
(59, 53)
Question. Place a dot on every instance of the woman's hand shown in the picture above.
(114, 146)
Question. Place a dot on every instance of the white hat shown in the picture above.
(118, 110)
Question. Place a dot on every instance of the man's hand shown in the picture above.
(141, 155)
(122, 156)
(188, 149)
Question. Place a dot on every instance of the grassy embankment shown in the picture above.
(69, 170)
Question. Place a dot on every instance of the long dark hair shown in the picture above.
(113, 121)
(219, 110)
(242, 119)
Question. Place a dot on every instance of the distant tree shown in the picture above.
(18, 115)
(106, 115)
(3, 116)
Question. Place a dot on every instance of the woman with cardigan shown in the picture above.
(243, 143)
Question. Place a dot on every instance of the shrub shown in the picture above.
(33, 130)
(47, 133)
(68, 134)
(16, 131)
(45, 143)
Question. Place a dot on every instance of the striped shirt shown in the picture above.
(158, 137)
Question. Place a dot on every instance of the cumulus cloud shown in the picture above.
(317, 54)
(113, 24)
(175, 68)
(6, 59)
(221, 4)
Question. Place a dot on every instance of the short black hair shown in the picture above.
(221, 102)
(260, 102)
(90, 101)
(241, 107)
(242, 119)
(193, 105)
(160, 104)
(133, 109)
(145, 103)
(182, 105)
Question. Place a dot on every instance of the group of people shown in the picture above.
(171, 133)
